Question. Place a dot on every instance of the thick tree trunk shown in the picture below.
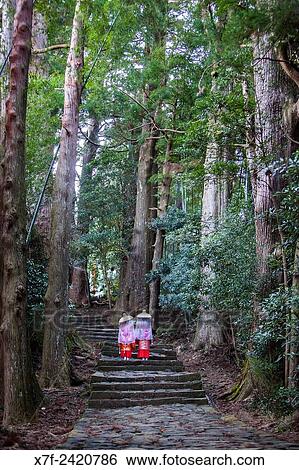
(275, 103)
(79, 292)
(209, 332)
(21, 391)
(136, 295)
(169, 170)
(210, 198)
(39, 41)
(8, 11)
(55, 365)
(210, 327)
(274, 97)
(129, 189)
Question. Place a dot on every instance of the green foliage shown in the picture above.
(45, 102)
(174, 219)
(288, 212)
(280, 401)
(178, 270)
(231, 253)
(37, 280)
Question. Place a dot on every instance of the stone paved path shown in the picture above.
(166, 427)
(153, 406)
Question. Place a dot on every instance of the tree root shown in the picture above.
(244, 388)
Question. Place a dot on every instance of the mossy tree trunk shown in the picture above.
(136, 294)
(274, 119)
(21, 391)
(273, 91)
(210, 325)
(55, 364)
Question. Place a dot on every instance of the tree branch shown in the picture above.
(287, 66)
(50, 48)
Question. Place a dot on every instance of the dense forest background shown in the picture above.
(160, 171)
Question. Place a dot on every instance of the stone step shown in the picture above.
(131, 366)
(153, 355)
(96, 329)
(89, 318)
(126, 403)
(126, 377)
(103, 326)
(154, 347)
(137, 362)
(90, 321)
(98, 334)
(145, 394)
(87, 326)
(143, 385)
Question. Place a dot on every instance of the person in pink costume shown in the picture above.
(126, 337)
(143, 335)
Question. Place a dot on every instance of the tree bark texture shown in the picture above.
(129, 190)
(210, 198)
(136, 292)
(169, 170)
(21, 391)
(135, 295)
(55, 365)
(210, 328)
(39, 42)
(275, 98)
(79, 292)
(8, 11)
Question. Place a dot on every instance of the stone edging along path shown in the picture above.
(153, 405)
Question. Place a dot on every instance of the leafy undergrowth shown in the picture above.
(58, 412)
(219, 373)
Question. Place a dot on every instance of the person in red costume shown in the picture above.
(126, 337)
(144, 335)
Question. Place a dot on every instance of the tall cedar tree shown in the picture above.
(135, 294)
(21, 391)
(79, 290)
(55, 365)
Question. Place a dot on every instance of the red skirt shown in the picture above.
(144, 349)
(126, 350)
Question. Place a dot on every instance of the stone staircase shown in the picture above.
(120, 384)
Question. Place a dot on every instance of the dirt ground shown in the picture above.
(59, 410)
(219, 373)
